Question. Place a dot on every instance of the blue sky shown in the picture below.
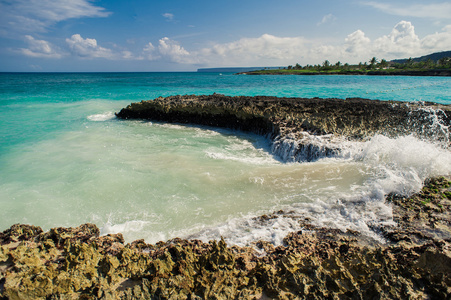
(183, 35)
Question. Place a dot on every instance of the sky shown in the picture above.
(184, 35)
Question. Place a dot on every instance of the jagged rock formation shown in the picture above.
(315, 263)
(300, 129)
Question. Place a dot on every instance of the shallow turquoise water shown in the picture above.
(66, 160)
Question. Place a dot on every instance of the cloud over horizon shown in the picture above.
(149, 35)
(88, 48)
(265, 50)
(40, 48)
(270, 50)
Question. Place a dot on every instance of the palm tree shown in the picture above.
(409, 62)
(373, 62)
(383, 64)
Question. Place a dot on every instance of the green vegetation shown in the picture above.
(373, 67)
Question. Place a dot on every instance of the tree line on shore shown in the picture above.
(375, 64)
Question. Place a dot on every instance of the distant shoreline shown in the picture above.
(388, 72)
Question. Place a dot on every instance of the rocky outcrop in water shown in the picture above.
(300, 129)
(315, 263)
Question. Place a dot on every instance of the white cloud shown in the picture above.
(168, 16)
(169, 50)
(39, 15)
(401, 41)
(88, 48)
(429, 10)
(150, 52)
(356, 43)
(269, 50)
(326, 19)
(438, 41)
(40, 48)
(174, 52)
(127, 54)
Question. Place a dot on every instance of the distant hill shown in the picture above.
(434, 57)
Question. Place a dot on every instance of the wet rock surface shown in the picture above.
(315, 263)
(306, 128)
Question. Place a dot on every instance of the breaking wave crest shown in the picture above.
(398, 164)
(102, 117)
(426, 123)
(389, 165)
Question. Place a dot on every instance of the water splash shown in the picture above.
(102, 117)
(431, 124)
(424, 122)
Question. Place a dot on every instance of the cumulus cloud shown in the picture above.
(270, 50)
(426, 10)
(169, 50)
(39, 15)
(88, 48)
(356, 43)
(438, 41)
(401, 41)
(266, 49)
(40, 48)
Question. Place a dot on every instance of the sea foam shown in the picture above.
(102, 117)
(390, 165)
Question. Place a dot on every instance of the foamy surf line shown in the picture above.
(396, 166)
(393, 165)
(397, 146)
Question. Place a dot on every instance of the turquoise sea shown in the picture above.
(66, 160)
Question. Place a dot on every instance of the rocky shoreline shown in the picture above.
(299, 129)
(314, 263)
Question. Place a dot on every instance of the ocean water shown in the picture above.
(66, 160)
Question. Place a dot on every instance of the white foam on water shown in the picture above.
(255, 159)
(102, 117)
(244, 231)
(133, 230)
(390, 165)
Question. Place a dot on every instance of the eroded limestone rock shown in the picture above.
(315, 263)
(300, 129)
